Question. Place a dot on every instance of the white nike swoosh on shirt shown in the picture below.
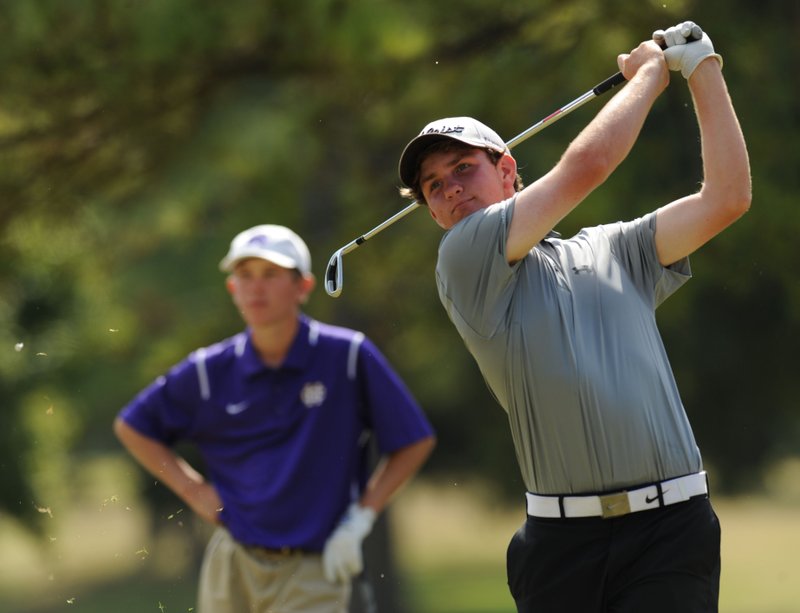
(235, 408)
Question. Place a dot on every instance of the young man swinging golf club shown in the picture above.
(564, 332)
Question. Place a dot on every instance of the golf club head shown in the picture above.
(334, 277)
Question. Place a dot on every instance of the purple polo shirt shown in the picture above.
(285, 447)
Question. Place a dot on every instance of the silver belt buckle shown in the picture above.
(614, 505)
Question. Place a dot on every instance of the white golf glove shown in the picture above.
(342, 558)
(685, 46)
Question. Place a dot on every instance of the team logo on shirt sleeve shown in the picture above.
(313, 394)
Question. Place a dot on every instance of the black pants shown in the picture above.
(660, 561)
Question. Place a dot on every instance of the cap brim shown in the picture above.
(409, 159)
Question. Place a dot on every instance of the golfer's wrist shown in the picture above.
(710, 67)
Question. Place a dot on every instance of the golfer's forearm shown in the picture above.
(394, 472)
(612, 133)
(159, 460)
(726, 166)
(588, 161)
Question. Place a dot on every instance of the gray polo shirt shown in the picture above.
(567, 342)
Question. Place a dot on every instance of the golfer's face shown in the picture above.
(266, 294)
(455, 184)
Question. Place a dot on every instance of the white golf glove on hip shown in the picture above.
(342, 558)
(685, 46)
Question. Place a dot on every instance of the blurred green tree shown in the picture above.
(137, 138)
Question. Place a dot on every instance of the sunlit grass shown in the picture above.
(760, 556)
(460, 588)
(137, 594)
(450, 543)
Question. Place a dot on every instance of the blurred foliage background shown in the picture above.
(137, 137)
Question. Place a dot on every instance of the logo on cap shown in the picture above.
(444, 130)
(276, 244)
(259, 240)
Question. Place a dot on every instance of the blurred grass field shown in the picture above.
(450, 545)
(453, 542)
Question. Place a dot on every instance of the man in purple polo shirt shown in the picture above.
(280, 414)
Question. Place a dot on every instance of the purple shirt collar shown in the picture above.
(296, 359)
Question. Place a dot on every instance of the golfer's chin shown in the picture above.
(259, 318)
(463, 211)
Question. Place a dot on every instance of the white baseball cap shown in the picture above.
(276, 244)
(464, 129)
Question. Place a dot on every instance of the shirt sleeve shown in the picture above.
(165, 409)
(393, 414)
(633, 243)
(475, 281)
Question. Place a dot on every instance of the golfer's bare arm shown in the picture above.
(394, 471)
(686, 224)
(172, 470)
(593, 155)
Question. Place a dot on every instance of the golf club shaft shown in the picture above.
(334, 276)
(597, 90)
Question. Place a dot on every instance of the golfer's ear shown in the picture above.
(307, 284)
(508, 169)
(229, 284)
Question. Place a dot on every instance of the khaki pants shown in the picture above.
(239, 579)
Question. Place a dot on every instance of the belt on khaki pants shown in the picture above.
(615, 504)
(283, 552)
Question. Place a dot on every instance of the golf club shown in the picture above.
(334, 276)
